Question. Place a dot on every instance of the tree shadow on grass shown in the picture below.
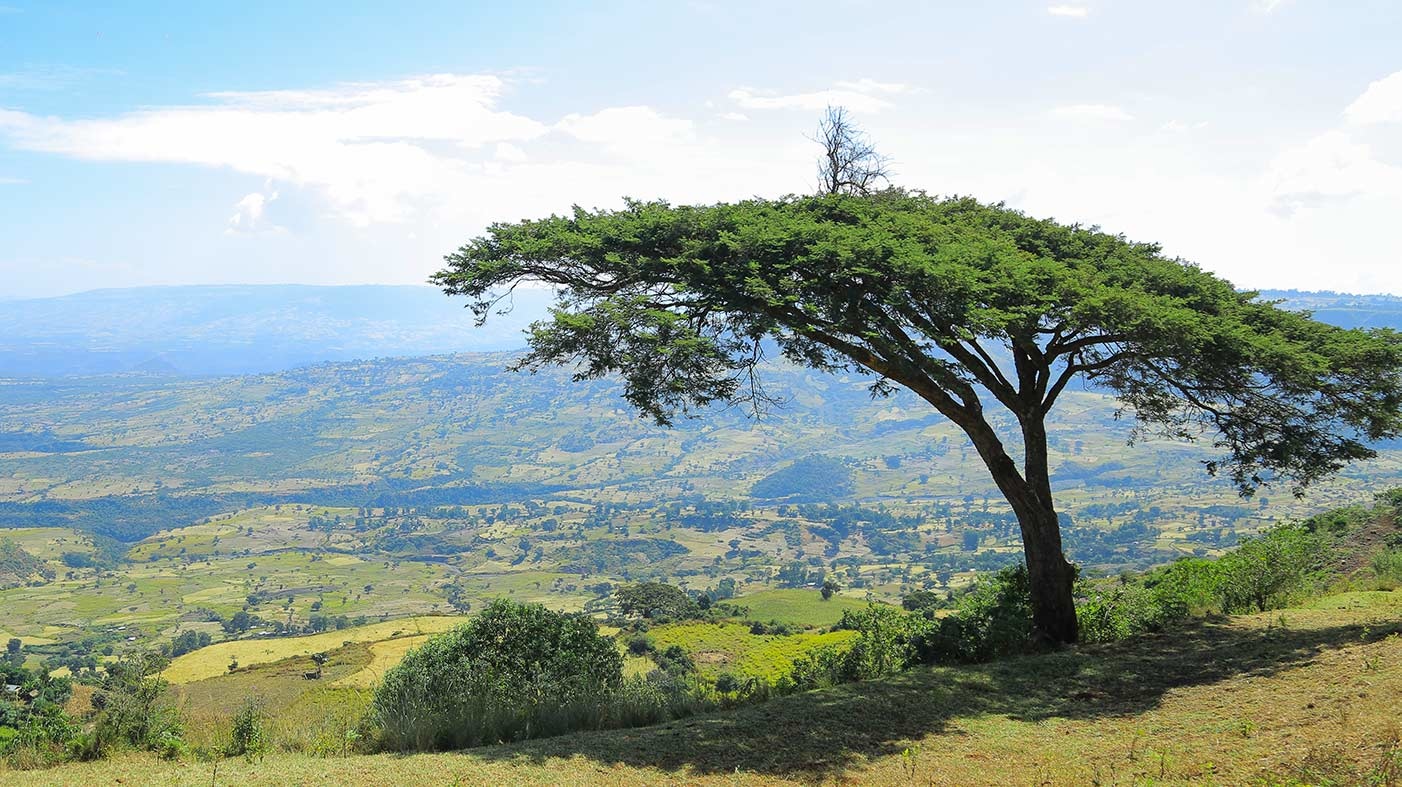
(818, 735)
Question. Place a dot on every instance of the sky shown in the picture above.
(349, 143)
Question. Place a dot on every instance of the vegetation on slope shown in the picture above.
(1307, 696)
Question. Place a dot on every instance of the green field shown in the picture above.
(730, 647)
(798, 607)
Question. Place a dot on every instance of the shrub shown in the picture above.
(134, 710)
(727, 683)
(655, 600)
(640, 645)
(886, 640)
(921, 600)
(992, 620)
(1265, 571)
(248, 737)
(819, 668)
(1387, 564)
(516, 671)
(1121, 611)
(1190, 586)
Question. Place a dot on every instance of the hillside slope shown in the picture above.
(1296, 696)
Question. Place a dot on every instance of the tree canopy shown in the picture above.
(969, 305)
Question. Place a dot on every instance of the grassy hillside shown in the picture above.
(1305, 695)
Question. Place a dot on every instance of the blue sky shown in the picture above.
(174, 143)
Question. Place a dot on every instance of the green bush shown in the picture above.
(248, 736)
(1190, 586)
(1387, 565)
(134, 711)
(991, 621)
(1123, 610)
(1267, 571)
(516, 671)
(886, 641)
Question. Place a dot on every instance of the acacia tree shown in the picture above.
(973, 307)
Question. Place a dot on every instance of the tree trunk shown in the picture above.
(1050, 576)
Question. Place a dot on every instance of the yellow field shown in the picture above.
(383, 655)
(214, 660)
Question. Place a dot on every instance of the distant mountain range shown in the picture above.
(247, 329)
(236, 329)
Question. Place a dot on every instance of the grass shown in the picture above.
(1227, 700)
(798, 607)
(214, 660)
(303, 714)
(730, 647)
(383, 655)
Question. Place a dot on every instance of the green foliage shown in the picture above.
(1266, 571)
(34, 730)
(1387, 565)
(1189, 586)
(993, 620)
(188, 642)
(921, 600)
(248, 736)
(515, 671)
(679, 301)
(814, 478)
(655, 600)
(888, 641)
(18, 567)
(134, 711)
(1124, 610)
(640, 644)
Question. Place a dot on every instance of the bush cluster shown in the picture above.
(515, 671)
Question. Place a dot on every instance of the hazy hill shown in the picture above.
(242, 329)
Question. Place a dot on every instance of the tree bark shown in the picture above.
(1050, 576)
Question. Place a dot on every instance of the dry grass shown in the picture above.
(383, 655)
(214, 660)
(1304, 696)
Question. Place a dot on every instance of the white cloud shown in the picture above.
(866, 85)
(249, 214)
(1074, 11)
(1380, 103)
(435, 154)
(508, 152)
(624, 127)
(1342, 163)
(863, 95)
(366, 146)
(1180, 126)
(6, 181)
(1266, 6)
(736, 116)
(1092, 112)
